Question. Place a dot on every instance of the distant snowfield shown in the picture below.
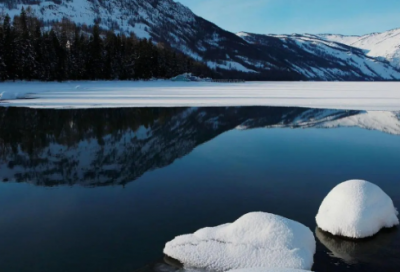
(371, 96)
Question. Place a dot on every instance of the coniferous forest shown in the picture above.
(66, 51)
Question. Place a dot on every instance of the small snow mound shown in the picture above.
(254, 240)
(262, 269)
(356, 209)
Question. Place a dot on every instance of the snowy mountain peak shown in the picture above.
(385, 45)
(245, 55)
(317, 57)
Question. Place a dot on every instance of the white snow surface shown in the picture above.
(263, 269)
(372, 96)
(254, 240)
(356, 209)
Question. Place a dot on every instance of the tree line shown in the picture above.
(66, 51)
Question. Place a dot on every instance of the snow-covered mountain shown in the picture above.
(116, 146)
(163, 21)
(290, 57)
(317, 58)
(385, 45)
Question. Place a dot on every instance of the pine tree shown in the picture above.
(38, 46)
(61, 57)
(95, 60)
(9, 49)
(65, 52)
(25, 53)
(3, 70)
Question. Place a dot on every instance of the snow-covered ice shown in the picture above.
(329, 95)
(262, 269)
(254, 240)
(356, 209)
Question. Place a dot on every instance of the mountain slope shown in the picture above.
(163, 21)
(171, 23)
(385, 45)
(317, 58)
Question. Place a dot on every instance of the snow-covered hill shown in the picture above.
(163, 21)
(317, 58)
(252, 56)
(385, 45)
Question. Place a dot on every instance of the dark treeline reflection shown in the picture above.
(97, 147)
(32, 130)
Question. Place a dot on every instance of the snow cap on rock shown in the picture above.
(356, 209)
(254, 240)
(262, 269)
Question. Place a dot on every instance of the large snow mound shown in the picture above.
(356, 209)
(262, 269)
(254, 240)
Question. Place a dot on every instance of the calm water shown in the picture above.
(104, 190)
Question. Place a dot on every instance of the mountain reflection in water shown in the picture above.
(99, 147)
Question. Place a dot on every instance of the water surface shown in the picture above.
(104, 190)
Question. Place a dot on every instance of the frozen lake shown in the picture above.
(117, 94)
(99, 190)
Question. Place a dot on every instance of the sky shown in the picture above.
(350, 17)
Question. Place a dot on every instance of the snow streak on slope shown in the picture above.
(385, 45)
(317, 58)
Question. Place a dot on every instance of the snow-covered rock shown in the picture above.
(262, 269)
(356, 209)
(254, 240)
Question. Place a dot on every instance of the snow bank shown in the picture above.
(383, 96)
(356, 209)
(254, 240)
(261, 269)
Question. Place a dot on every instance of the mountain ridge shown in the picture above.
(318, 58)
(384, 45)
(172, 23)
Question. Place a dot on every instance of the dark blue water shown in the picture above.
(78, 196)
